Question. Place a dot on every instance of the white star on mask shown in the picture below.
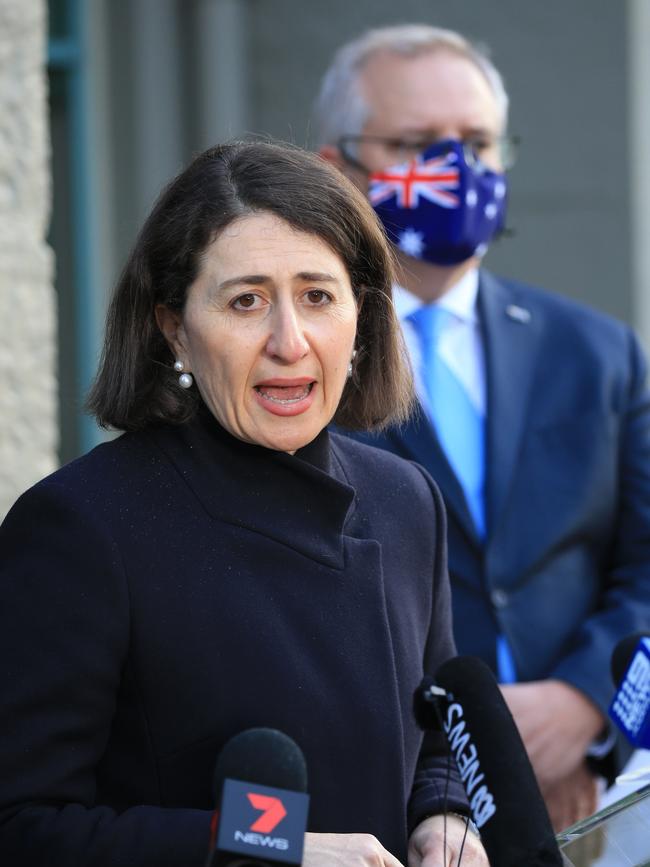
(411, 242)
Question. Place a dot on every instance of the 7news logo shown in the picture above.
(273, 813)
(262, 818)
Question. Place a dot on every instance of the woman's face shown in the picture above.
(267, 332)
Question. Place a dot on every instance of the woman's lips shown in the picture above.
(284, 394)
(288, 397)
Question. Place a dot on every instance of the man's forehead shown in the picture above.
(426, 91)
(386, 61)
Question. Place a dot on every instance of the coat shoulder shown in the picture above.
(380, 473)
(557, 309)
(97, 481)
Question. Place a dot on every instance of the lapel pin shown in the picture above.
(519, 314)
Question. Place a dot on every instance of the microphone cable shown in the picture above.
(426, 707)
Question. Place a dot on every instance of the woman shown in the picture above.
(227, 563)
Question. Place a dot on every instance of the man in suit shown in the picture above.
(534, 416)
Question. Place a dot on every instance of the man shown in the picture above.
(542, 447)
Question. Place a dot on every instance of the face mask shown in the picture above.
(439, 207)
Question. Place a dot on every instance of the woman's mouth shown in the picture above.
(285, 398)
(284, 394)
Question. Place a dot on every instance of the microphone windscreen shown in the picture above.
(622, 655)
(495, 768)
(264, 756)
(426, 708)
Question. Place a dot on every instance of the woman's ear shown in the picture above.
(170, 322)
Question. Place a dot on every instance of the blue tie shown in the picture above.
(459, 424)
(461, 432)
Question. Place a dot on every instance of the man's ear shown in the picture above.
(170, 322)
(331, 154)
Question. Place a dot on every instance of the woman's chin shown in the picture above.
(290, 440)
(287, 434)
(282, 433)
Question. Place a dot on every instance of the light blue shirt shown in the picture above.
(461, 344)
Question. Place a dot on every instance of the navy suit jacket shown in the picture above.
(565, 569)
(177, 586)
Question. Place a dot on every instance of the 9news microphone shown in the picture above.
(630, 708)
(260, 781)
(505, 800)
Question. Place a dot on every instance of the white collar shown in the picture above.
(459, 300)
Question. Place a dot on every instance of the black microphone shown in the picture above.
(630, 708)
(505, 800)
(260, 781)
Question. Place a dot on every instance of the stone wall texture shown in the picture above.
(28, 392)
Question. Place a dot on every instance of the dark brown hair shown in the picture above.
(136, 384)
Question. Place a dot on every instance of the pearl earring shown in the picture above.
(185, 380)
(350, 365)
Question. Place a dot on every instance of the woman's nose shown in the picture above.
(287, 341)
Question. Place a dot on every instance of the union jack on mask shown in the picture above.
(438, 207)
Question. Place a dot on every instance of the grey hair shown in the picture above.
(341, 107)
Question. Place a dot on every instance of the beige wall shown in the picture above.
(27, 319)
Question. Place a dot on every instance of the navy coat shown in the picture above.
(177, 586)
(565, 569)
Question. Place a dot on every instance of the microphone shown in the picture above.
(260, 781)
(505, 800)
(630, 707)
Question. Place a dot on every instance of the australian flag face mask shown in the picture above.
(440, 206)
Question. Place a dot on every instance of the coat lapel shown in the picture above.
(419, 439)
(510, 331)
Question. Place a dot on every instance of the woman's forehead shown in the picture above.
(262, 243)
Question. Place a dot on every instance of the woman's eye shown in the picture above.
(245, 302)
(318, 297)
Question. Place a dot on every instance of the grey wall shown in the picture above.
(565, 68)
(166, 77)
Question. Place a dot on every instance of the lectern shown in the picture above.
(617, 836)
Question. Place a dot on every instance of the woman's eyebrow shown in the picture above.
(260, 279)
(316, 277)
(246, 279)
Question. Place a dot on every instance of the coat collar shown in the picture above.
(294, 499)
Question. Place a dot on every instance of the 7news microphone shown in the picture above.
(260, 784)
(630, 708)
(506, 803)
